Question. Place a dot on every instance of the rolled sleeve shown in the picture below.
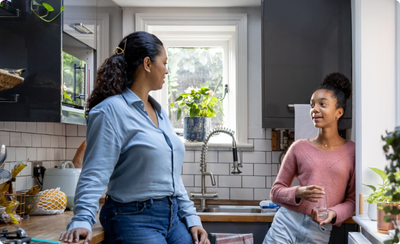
(187, 211)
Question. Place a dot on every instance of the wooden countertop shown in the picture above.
(49, 227)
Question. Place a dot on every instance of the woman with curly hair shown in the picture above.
(132, 148)
(326, 160)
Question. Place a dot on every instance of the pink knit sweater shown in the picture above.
(334, 169)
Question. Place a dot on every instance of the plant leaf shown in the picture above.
(387, 209)
(387, 219)
(178, 114)
(380, 172)
(371, 186)
(48, 7)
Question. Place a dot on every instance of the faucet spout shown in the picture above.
(211, 176)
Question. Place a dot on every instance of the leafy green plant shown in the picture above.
(392, 152)
(197, 102)
(48, 8)
(379, 195)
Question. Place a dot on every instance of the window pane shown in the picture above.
(194, 67)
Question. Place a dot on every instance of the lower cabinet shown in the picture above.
(339, 235)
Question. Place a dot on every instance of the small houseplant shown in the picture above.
(392, 151)
(378, 195)
(200, 105)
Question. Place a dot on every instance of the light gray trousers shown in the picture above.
(290, 227)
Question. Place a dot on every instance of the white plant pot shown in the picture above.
(372, 211)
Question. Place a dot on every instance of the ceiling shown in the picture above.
(188, 3)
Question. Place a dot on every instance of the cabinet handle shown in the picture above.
(15, 100)
(290, 105)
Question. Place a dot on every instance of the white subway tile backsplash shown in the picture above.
(9, 126)
(225, 156)
(53, 141)
(41, 154)
(269, 182)
(50, 128)
(36, 140)
(268, 134)
(61, 141)
(20, 154)
(82, 130)
(5, 138)
(1, 126)
(262, 169)
(241, 194)
(20, 126)
(30, 182)
(262, 145)
(15, 139)
(41, 128)
(268, 159)
(261, 194)
(58, 129)
(189, 157)
(191, 169)
(223, 193)
(188, 180)
(26, 139)
(71, 130)
(47, 164)
(64, 130)
(253, 181)
(211, 156)
(74, 142)
(59, 154)
(31, 153)
(31, 127)
(230, 181)
(46, 141)
(256, 133)
(275, 157)
(274, 169)
(218, 169)
(50, 154)
(69, 154)
(10, 154)
(254, 157)
(20, 184)
(192, 189)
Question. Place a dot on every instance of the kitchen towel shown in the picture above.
(225, 238)
(303, 125)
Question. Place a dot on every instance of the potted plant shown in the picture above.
(392, 151)
(382, 199)
(200, 105)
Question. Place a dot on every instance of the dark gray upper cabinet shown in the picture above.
(302, 42)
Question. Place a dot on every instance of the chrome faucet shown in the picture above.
(203, 195)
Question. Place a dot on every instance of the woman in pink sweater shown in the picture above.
(326, 160)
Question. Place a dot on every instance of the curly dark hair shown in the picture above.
(340, 86)
(117, 72)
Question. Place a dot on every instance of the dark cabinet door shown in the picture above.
(31, 43)
(302, 42)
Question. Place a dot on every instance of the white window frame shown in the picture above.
(239, 22)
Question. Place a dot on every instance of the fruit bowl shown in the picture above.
(31, 203)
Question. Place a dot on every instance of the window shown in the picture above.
(216, 34)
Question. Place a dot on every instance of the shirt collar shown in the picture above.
(131, 98)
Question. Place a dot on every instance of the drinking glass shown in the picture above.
(320, 207)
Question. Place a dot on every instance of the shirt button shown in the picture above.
(142, 104)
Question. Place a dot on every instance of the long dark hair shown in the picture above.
(117, 72)
(340, 86)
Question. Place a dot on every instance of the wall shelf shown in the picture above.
(8, 11)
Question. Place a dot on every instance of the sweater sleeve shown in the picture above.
(281, 192)
(347, 208)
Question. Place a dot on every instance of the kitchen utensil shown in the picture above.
(65, 178)
(4, 174)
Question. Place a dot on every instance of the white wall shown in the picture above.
(375, 83)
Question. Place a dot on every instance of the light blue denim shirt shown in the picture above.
(134, 158)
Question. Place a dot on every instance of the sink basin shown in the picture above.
(230, 209)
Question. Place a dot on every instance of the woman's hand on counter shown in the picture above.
(197, 231)
(331, 216)
(74, 235)
(310, 193)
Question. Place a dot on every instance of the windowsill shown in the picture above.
(370, 227)
(216, 143)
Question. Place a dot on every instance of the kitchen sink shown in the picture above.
(230, 209)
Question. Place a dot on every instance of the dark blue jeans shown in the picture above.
(151, 222)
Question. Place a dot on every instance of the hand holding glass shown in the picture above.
(320, 206)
